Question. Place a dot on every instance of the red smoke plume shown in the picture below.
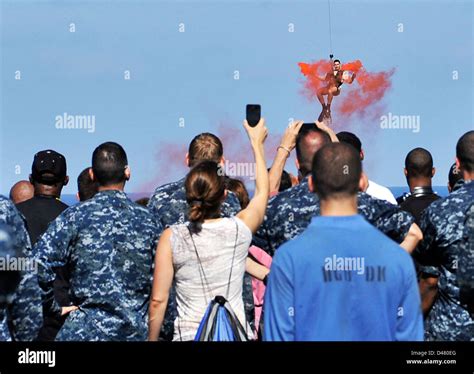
(362, 98)
(170, 157)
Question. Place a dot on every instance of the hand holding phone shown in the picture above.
(253, 115)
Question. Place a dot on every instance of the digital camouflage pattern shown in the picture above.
(108, 245)
(6, 252)
(25, 312)
(443, 225)
(289, 214)
(466, 261)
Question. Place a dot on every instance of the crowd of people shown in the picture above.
(325, 255)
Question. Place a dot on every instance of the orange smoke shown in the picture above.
(362, 98)
(169, 163)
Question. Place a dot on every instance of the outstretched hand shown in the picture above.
(322, 126)
(288, 140)
(257, 134)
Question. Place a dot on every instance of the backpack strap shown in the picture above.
(233, 256)
(202, 274)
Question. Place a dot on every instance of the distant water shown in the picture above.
(397, 191)
(72, 199)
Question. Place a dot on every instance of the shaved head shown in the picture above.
(419, 163)
(336, 171)
(21, 191)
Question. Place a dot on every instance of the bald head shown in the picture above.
(309, 141)
(419, 163)
(21, 191)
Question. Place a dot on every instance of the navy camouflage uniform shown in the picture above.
(6, 252)
(466, 263)
(289, 213)
(443, 225)
(168, 205)
(108, 244)
(25, 313)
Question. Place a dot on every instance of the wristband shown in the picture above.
(286, 149)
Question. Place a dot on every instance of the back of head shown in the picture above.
(205, 146)
(21, 191)
(419, 163)
(336, 171)
(239, 189)
(109, 162)
(350, 138)
(454, 175)
(309, 140)
(285, 182)
(465, 152)
(86, 187)
(48, 173)
(205, 191)
(143, 201)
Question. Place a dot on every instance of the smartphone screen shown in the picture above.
(253, 114)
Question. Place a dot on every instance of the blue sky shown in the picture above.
(191, 75)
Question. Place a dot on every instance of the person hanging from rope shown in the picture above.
(334, 81)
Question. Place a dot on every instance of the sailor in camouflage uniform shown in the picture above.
(9, 279)
(168, 205)
(25, 312)
(108, 245)
(466, 264)
(290, 212)
(443, 225)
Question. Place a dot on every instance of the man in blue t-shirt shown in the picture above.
(341, 279)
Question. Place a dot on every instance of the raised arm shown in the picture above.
(162, 281)
(328, 131)
(287, 144)
(253, 215)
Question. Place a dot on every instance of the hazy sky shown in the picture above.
(191, 75)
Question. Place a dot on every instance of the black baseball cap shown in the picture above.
(49, 167)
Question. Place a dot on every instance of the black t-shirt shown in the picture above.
(39, 211)
(416, 204)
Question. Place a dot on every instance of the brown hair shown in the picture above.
(238, 187)
(205, 190)
(205, 146)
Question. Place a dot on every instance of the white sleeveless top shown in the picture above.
(215, 246)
